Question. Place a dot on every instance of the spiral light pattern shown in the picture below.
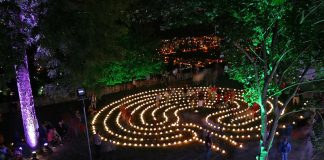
(170, 123)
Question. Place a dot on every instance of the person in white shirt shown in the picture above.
(157, 100)
(200, 103)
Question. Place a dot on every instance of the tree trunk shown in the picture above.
(29, 119)
(274, 125)
(272, 133)
(263, 139)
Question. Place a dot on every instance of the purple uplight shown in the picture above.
(25, 22)
(30, 122)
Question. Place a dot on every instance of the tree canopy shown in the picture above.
(273, 52)
(90, 36)
(80, 41)
(272, 46)
(279, 43)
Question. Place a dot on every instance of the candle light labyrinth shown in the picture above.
(166, 124)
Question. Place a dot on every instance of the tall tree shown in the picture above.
(21, 18)
(272, 46)
(276, 47)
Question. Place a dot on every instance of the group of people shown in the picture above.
(166, 96)
(213, 93)
(49, 135)
(52, 135)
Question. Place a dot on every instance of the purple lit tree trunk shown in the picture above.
(24, 25)
(27, 103)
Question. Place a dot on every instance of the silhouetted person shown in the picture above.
(285, 148)
(208, 145)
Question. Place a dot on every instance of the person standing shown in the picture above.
(208, 145)
(51, 136)
(128, 115)
(75, 125)
(209, 93)
(232, 97)
(185, 91)
(285, 148)
(200, 99)
(62, 129)
(134, 83)
(157, 100)
(93, 102)
(296, 98)
(78, 115)
(166, 96)
(218, 96)
(200, 103)
(226, 98)
(123, 110)
(97, 144)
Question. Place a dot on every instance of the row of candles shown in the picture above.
(165, 126)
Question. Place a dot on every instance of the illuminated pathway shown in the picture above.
(166, 125)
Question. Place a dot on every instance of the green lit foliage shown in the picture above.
(275, 43)
(273, 52)
(278, 2)
(96, 43)
(132, 67)
(247, 76)
(116, 73)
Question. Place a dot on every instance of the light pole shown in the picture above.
(82, 96)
